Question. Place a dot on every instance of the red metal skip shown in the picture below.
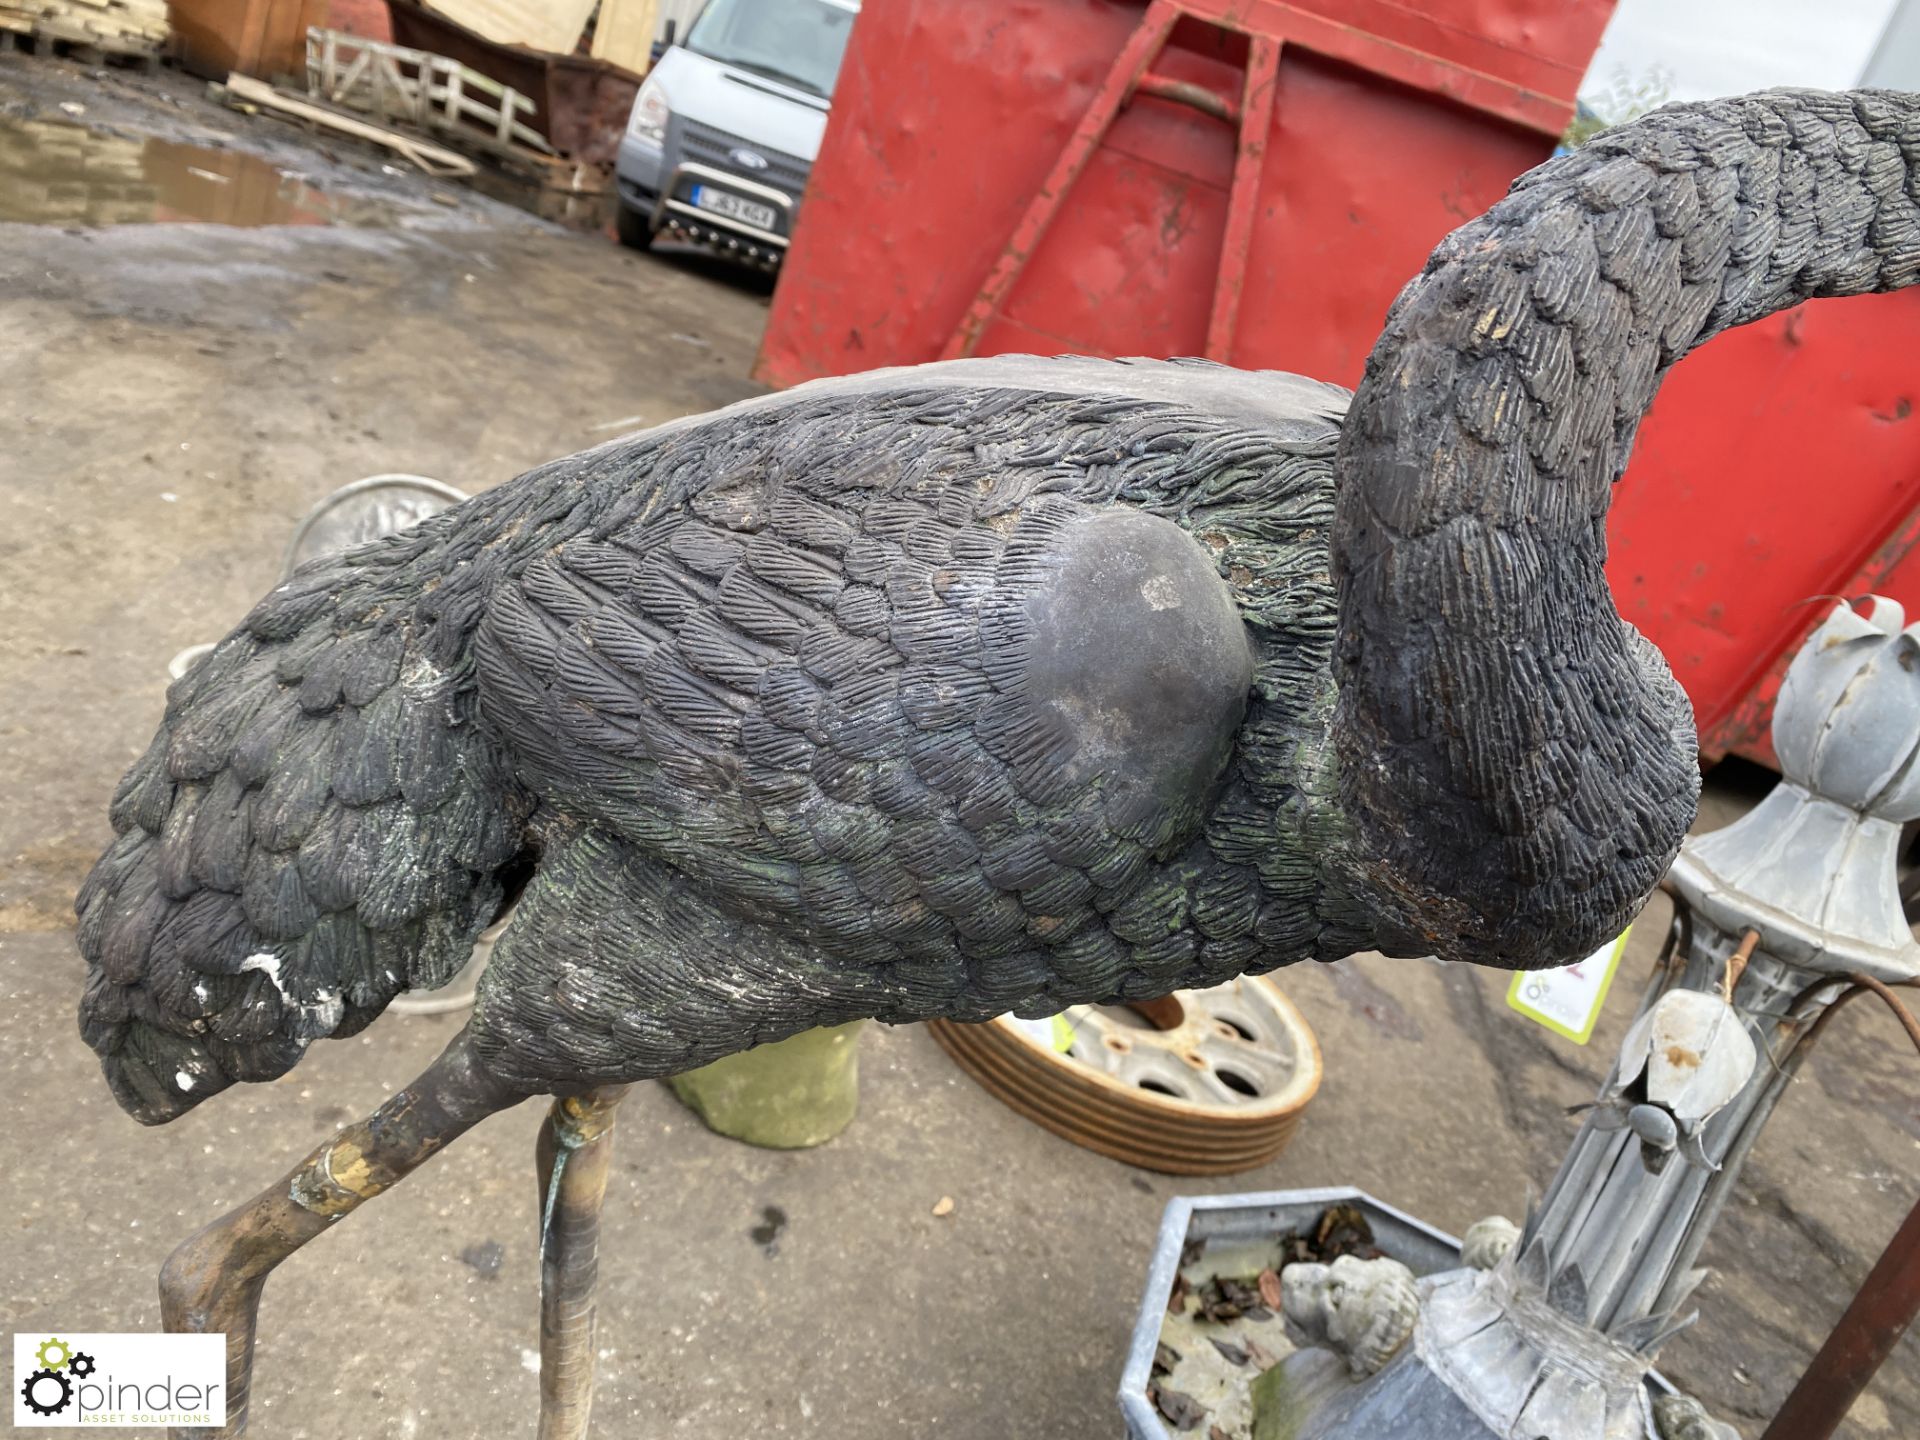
(1254, 180)
(1780, 464)
(953, 159)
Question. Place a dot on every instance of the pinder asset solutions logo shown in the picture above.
(136, 1379)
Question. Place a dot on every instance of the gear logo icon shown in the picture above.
(47, 1392)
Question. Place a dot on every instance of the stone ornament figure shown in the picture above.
(1362, 1310)
(995, 685)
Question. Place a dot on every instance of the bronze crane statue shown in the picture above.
(995, 685)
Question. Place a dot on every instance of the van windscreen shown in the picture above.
(794, 42)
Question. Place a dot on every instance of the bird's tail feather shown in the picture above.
(320, 822)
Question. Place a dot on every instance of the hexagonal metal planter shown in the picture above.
(1254, 1217)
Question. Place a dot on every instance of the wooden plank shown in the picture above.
(429, 157)
(623, 35)
(430, 64)
(491, 116)
(386, 80)
(454, 100)
(345, 77)
(543, 24)
(485, 84)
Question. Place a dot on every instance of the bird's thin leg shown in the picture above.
(213, 1281)
(576, 1145)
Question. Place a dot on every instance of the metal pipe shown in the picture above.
(1592, 1172)
(1646, 1273)
(1900, 1011)
(574, 1152)
(1186, 92)
(1592, 1149)
(1860, 1343)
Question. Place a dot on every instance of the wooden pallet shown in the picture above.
(90, 31)
(88, 52)
(416, 87)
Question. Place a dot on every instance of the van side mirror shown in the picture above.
(661, 45)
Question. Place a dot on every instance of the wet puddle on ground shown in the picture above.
(53, 172)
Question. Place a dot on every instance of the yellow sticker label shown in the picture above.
(1568, 1000)
(1062, 1034)
(1053, 1031)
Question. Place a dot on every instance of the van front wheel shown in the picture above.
(635, 227)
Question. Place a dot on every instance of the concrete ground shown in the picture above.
(171, 399)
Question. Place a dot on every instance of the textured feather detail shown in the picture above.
(294, 606)
(326, 673)
(373, 666)
(209, 933)
(335, 863)
(427, 755)
(274, 897)
(314, 829)
(145, 793)
(790, 663)
(367, 749)
(296, 793)
(173, 860)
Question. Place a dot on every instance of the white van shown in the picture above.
(725, 129)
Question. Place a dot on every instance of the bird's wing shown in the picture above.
(316, 826)
(856, 682)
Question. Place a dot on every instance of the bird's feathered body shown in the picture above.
(991, 686)
(996, 685)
